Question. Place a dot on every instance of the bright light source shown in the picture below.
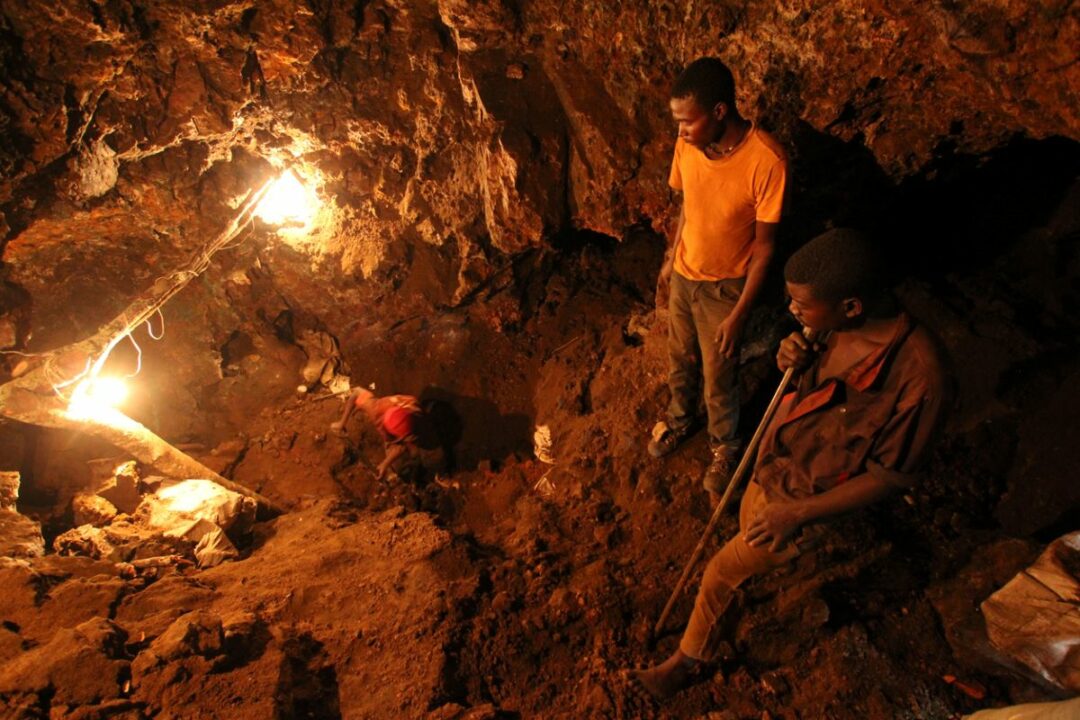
(97, 398)
(288, 201)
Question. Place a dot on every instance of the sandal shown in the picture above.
(664, 439)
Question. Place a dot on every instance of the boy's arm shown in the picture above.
(761, 252)
(778, 521)
(664, 282)
(393, 452)
(350, 407)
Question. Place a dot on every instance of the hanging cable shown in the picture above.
(138, 356)
(150, 327)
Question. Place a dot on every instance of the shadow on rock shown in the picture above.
(473, 430)
(307, 685)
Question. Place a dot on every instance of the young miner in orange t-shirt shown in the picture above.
(731, 174)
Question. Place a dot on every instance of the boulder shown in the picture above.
(9, 490)
(92, 510)
(70, 603)
(177, 504)
(149, 613)
(87, 541)
(122, 487)
(18, 601)
(196, 635)
(79, 666)
(20, 536)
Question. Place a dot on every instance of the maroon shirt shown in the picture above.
(882, 417)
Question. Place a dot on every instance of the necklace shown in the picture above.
(719, 152)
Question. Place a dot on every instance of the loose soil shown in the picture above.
(501, 586)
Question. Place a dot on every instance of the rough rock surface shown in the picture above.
(493, 177)
(80, 666)
(91, 510)
(20, 536)
(442, 135)
(477, 595)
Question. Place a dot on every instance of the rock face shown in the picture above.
(9, 490)
(444, 139)
(80, 666)
(473, 128)
(343, 620)
(20, 536)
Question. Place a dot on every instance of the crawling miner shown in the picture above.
(402, 425)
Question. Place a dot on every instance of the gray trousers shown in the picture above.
(695, 309)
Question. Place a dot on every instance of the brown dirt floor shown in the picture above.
(472, 594)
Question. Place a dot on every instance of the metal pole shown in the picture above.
(744, 464)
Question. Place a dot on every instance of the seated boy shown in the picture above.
(860, 423)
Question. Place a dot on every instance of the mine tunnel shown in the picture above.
(337, 372)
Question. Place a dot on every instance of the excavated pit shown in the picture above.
(492, 179)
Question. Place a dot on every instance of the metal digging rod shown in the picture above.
(736, 478)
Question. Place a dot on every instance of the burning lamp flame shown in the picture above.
(96, 398)
(288, 201)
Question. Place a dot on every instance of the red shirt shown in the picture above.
(381, 406)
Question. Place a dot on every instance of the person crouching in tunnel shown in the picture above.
(401, 424)
(869, 402)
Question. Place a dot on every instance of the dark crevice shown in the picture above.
(307, 682)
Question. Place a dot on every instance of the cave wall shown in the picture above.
(130, 128)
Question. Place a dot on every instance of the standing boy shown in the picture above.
(731, 174)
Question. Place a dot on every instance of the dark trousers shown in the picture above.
(695, 309)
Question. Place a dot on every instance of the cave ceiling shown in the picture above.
(460, 133)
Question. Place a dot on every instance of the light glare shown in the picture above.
(96, 399)
(288, 201)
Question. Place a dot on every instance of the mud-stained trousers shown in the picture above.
(729, 568)
(695, 309)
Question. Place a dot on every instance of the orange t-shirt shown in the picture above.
(722, 199)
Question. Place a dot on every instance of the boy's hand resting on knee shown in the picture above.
(774, 525)
(337, 427)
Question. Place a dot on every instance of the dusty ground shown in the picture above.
(481, 592)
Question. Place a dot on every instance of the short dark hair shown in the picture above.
(709, 81)
(839, 264)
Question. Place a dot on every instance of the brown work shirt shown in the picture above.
(881, 417)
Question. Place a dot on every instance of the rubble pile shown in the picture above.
(147, 521)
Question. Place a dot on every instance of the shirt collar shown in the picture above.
(863, 374)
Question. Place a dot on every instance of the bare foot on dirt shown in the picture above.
(669, 677)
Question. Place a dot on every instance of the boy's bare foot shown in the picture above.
(669, 677)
